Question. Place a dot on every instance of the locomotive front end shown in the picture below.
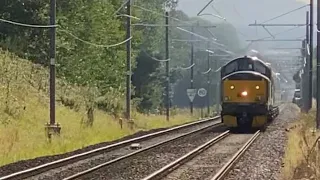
(245, 93)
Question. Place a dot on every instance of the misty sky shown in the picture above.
(247, 11)
(241, 13)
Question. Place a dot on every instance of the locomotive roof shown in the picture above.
(248, 72)
(252, 58)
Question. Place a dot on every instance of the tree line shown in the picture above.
(84, 59)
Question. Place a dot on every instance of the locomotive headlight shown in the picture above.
(244, 93)
(257, 87)
(226, 98)
(232, 87)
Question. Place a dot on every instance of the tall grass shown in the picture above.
(24, 112)
(302, 160)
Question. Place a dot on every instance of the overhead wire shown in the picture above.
(185, 68)
(207, 39)
(281, 15)
(156, 25)
(281, 32)
(65, 31)
(284, 14)
(170, 17)
(209, 70)
(187, 22)
(154, 58)
(212, 6)
(212, 34)
(27, 25)
(238, 31)
(126, 15)
(122, 5)
(93, 44)
(205, 7)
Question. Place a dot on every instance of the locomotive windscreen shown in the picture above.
(243, 64)
(246, 64)
(245, 76)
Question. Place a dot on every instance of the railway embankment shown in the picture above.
(302, 155)
(24, 111)
(263, 160)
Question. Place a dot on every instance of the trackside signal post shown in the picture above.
(52, 128)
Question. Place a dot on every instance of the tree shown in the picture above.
(100, 71)
(30, 43)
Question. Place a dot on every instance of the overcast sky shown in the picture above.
(247, 11)
(241, 13)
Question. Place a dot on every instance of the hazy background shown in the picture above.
(241, 13)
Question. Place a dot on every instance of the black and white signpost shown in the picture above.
(202, 92)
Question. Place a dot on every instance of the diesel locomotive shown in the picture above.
(247, 93)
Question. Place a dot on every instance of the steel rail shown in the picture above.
(83, 173)
(223, 171)
(75, 158)
(228, 166)
(175, 164)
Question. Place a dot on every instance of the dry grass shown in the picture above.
(24, 111)
(302, 159)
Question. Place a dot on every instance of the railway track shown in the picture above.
(217, 155)
(228, 166)
(112, 153)
(188, 138)
(138, 164)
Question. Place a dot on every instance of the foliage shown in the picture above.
(24, 110)
(97, 70)
(31, 43)
(227, 38)
(148, 85)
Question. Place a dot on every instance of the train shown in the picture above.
(248, 93)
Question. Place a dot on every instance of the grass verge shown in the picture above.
(24, 111)
(302, 156)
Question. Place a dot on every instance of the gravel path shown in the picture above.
(211, 160)
(145, 163)
(82, 165)
(25, 164)
(263, 160)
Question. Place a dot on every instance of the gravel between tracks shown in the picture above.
(211, 160)
(26, 164)
(263, 160)
(147, 162)
(60, 173)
